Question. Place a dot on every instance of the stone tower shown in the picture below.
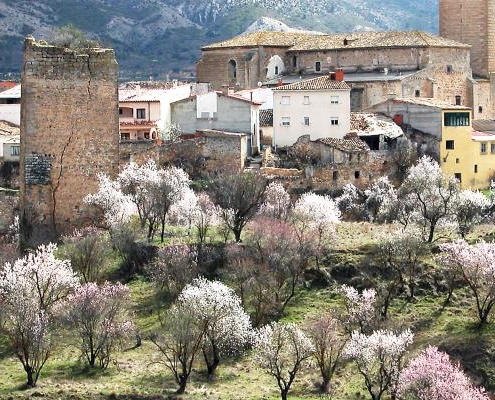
(69, 134)
(472, 22)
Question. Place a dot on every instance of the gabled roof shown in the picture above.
(8, 128)
(339, 41)
(352, 145)
(320, 83)
(12, 93)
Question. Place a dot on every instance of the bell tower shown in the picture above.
(472, 22)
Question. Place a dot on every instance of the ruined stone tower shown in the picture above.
(472, 22)
(69, 134)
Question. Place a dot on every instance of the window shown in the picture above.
(417, 93)
(120, 111)
(140, 113)
(306, 121)
(285, 100)
(276, 69)
(475, 168)
(480, 109)
(456, 119)
(15, 150)
(492, 148)
(334, 121)
(458, 100)
(285, 121)
(449, 145)
(317, 66)
(357, 174)
(483, 148)
(458, 176)
(306, 100)
(335, 175)
(449, 69)
(294, 61)
(125, 136)
(232, 70)
(334, 99)
(457, 161)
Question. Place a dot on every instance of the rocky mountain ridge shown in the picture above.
(159, 38)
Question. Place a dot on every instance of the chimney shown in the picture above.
(225, 89)
(332, 76)
(339, 75)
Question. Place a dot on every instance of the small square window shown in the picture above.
(334, 121)
(285, 121)
(335, 175)
(492, 148)
(417, 93)
(140, 113)
(458, 100)
(357, 174)
(285, 100)
(449, 69)
(458, 176)
(457, 161)
(15, 150)
(449, 145)
(125, 136)
(475, 168)
(120, 111)
(306, 121)
(306, 100)
(483, 148)
(318, 66)
(334, 99)
(480, 109)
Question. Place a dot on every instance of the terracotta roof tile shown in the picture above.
(262, 38)
(430, 102)
(320, 83)
(353, 145)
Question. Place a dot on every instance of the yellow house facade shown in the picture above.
(466, 154)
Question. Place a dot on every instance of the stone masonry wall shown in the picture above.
(69, 134)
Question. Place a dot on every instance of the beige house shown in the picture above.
(10, 143)
(318, 107)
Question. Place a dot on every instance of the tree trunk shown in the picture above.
(283, 393)
(182, 384)
(325, 385)
(237, 235)
(31, 381)
(211, 360)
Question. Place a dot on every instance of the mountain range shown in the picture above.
(163, 38)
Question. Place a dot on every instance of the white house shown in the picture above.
(144, 107)
(10, 105)
(10, 144)
(318, 107)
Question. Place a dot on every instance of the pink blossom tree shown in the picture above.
(282, 350)
(29, 290)
(98, 316)
(379, 359)
(328, 339)
(477, 266)
(432, 376)
(217, 310)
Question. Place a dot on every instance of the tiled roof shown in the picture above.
(484, 125)
(139, 123)
(366, 124)
(262, 38)
(482, 136)
(353, 40)
(266, 117)
(152, 84)
(320, 83)
(360, 40)
(353, 145)
(426, 101)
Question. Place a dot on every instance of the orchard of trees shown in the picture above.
(227, 266)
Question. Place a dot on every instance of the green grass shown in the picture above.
(138, 374)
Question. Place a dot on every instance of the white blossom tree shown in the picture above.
(477, 266)
(282, 350)
(432, 376)
(471, 208)
(379, 359)
(98, 316)
(360, 309)
(277, 202)
(217, 310)
(427, 197)
(29, 289)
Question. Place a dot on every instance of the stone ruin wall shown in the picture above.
(69, 134)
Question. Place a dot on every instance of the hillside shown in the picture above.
(156, 37)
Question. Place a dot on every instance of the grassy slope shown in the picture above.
(138, 376)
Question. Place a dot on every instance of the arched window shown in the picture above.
(232, 70)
